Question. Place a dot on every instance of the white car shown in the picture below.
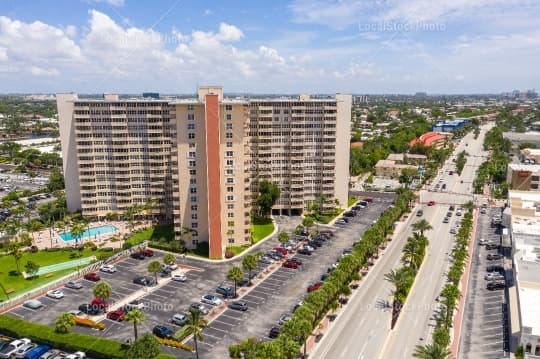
(494, 276)
(266, 260)
(211, 299)
(108, 268)
(483, 241)
(9, 350)
(283, 319)
(179, 277)
(77, 355)
(22, 351)
(56, 294)
(173, 266)
(309, 248)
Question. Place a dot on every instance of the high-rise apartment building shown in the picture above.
(201, 159)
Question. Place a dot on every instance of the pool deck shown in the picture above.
(42, 239)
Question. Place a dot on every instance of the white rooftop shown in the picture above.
(533, 151)
(530, 310)
(523, 167)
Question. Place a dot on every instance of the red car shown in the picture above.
(450, 172)
(368, 199)
(148, 252)
(281, 250)
(92, 276)
(290, 264)
(117, 315)
(99, 303)
(314, 287)
(431, 203)
(327, 231)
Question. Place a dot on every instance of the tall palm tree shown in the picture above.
(431, 351)
(422, 226)
(135, 316)
(102, 290)
(194, 326)
(235, 274)
(250, 262)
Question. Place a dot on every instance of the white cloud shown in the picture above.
(116, 3)
(229, 33)
(3, 54)
(38, 71)
(208, 12)
(335, 13)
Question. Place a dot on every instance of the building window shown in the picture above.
(192, 163)
(230, 223)
(229, 153)
(229, 144)
(193, 190)
(192, 181)
(535, 178)
(191, 154)
(230, 206)
(228, 107)
(230, 197)
(191, 136)
(194, 207)
(194, 224)
(194, 216)
(230, 162)
(230, 215)
(229, 171)
(534, 185)
(191, 126)
(229, 135)
(193, 198)
(193, 172)
(228, 126)
(231, 240)
(230, 189)
(230, 180)
(194, 242)
(192, 145)
(191, 116)
(190, 107)
(228, 116)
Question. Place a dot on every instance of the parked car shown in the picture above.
(108, 268)
(90, 309)
(179, 277)
(446, 220)
(92, 276)
(283, 319)
(53, 354)
(483, 241)
(179, 319)
(100, 303)
(496, 285)
(453, 230)
(495, 268)
(314, 287)
(281, 250)
(76, 355)
(73, 285)
(9, 350)
(37, 352)
(491, 246)
(420, 213)
(341, 221)
(274, 332)
(458, 212)
(225, 291)
(494, 276)
(493, 256)
(297, 260)
(431, 203)
(290, 264)
(451, 208)
(199, 307)
(349, 214)
(266, 260)
(148, 252)
(162, 332)
(170, 267)
(33, 304)
(138, 255)
(211, 299)
(56, 294)
(448, 214)
(117, 315)
(25, 349)
(135, 304)
(239, 305)
(146, 281)
(327, 232)
(304, 251)
(368, 199)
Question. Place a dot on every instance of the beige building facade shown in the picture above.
(201, 159)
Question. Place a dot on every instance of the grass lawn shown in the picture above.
(352, 201)
(326, 216)
(238, 249)
(162, 233)
(11, 280)
(260, 228)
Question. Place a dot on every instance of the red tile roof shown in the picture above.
(427, 139)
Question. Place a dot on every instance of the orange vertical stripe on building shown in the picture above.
(213, 176)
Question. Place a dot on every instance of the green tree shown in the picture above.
(407, 176)
(308, 222)
(422, 226)
(77, 229)
(250, 262)
(194, 326)
(154, 267)
(64, 322)
(146, 347)
(283, 237)
(268, 195)
(56, 181)
(102, 290)
(14, 249)
(31, 268)
(135, 316)
(431, 351)
(235, 274)
(169, 259)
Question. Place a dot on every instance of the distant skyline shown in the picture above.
(299, 46)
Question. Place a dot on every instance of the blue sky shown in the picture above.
(315, 46)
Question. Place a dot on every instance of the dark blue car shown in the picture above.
(162, 332)
(37, 352)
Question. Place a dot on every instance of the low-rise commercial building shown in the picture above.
(433, 139)
(449, 125)
(523, 177)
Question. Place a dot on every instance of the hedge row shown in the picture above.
(94, 347)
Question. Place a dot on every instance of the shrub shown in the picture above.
(229, 253)
(202, 249)
(165, 247)
(176, 344)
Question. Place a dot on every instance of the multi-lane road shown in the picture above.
(363, 328)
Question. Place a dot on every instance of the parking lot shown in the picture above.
(278, 293)
(271, 298)
(485, 323)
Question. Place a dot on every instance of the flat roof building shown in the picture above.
(201, 159)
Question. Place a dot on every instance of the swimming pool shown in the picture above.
(90, 233)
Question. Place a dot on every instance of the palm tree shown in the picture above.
(64, 322)
(169, 259)
(235, 274)
(135, 316)
(154, 267)
(283, 237)
(469, 206)
(250, 262)
(431, 351)
(77, 229)
(102, 291)
(422, 226)
(194, 326)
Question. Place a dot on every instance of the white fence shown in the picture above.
(39, 291)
